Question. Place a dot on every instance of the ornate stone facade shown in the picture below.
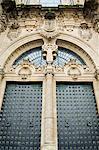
(22, 29)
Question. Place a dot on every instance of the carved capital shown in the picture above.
(49, 70)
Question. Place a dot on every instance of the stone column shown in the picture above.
(49, 115)
(96, 90)
(1, 87)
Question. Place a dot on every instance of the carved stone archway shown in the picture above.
(72, 71)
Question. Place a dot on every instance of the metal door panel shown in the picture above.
(20, 121)
(77, 117)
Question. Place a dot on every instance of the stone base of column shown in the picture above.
(49, 147)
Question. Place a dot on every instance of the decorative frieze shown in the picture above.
(49, 21)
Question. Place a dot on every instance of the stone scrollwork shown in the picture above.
(74, 70)
(25, 69)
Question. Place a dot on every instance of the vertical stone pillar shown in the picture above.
(49, 115)
(1, 87)
(96, 90)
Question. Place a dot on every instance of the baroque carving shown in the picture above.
(31, 25)
(14, 30)
(25, 69)
(49, 52)
(74, 70)
(3, 23)
(85, 32)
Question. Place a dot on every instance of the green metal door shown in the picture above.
(77, 117)
(20, 119)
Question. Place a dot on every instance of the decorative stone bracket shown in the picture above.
(49, 52)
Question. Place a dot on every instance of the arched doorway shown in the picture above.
(64, 85)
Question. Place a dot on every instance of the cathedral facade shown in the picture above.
(49, 75)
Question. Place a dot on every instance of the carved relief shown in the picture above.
(3, 23)
(85, 32)
(75, 70)
(49, 25)
(31, 25)
(49, 52)
(14, 30)
(25, 69)
(49, 29)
